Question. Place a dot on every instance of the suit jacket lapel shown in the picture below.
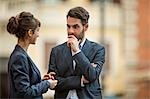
(68, 57)
(33, 66)
(86, 47)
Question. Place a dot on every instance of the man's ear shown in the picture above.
(86, 26)
(30, 32)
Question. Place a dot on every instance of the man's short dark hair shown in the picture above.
(79, 13)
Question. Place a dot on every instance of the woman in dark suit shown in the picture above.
(25, 80)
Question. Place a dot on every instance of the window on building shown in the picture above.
(3, 78)
(52, 1)
(111, 1)
(2, 27)
(3, 64)
(48, 47)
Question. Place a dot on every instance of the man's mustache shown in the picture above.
(74, 35)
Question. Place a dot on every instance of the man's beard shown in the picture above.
(81, 36)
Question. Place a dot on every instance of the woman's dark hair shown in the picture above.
(80, 13)
(21, 24)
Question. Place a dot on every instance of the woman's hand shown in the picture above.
(53, 83)
(49, 76)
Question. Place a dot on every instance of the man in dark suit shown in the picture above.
(77, 62)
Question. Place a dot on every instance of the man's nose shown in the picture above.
(70, 30)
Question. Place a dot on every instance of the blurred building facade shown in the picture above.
(122, 26)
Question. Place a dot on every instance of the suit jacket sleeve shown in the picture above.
(64, 83)
(20, 73)
(89, 72)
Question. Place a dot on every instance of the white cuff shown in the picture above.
(73, 53)
(82, 84)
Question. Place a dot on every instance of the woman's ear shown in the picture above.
(30, 32)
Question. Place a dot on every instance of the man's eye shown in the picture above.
(68, 26)
(75, 26)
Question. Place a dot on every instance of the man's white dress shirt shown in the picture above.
(72, 93)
